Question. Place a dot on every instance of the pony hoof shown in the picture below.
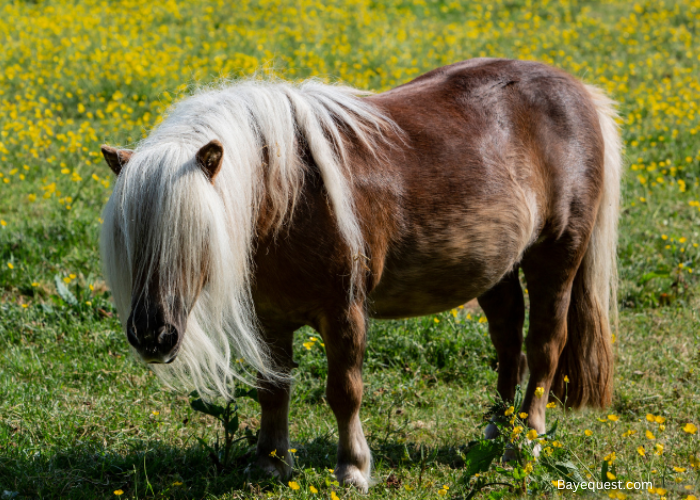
(352, 476)
(272, 468)
(509, 456)
(491, 431)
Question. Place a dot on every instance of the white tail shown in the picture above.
(587, 358)
(603, 246)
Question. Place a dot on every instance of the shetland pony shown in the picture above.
(260, 207)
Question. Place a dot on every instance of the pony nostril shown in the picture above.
(167, 336)
(131, 336)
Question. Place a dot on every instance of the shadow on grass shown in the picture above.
(155, 470)
(148, 470)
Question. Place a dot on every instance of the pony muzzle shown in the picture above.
(159, 345)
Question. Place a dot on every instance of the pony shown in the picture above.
(258, 207)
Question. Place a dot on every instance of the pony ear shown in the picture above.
(210, 158)
(116, 158)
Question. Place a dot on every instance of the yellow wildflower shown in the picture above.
(690, 428)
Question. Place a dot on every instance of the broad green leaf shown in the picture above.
(232, 426)
(63, 291)
(479, 457)
(208, 409)
(204, 443)
(604, 472)
(518, 473)
(652, 275)
(246, 393)
(564, 469)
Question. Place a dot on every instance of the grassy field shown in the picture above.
(80, 418)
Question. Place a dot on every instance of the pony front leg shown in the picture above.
(345, 339)
(273, 455)
(505, 310)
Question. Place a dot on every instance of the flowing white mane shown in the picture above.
(165, 217)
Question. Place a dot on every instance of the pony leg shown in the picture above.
(345, 340)
(505, 309)
(550, 270)
(273, 455)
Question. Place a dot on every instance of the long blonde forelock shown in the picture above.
(163, 206)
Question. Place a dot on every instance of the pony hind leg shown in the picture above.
(550, 269)
(345, 337)
(505, 310)
(272, 454)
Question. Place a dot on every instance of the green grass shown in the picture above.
(80, 418)
(78, 421)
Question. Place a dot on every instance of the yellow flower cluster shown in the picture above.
(311, 342)
(76, 74)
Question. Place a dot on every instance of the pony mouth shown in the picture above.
(164, 362)
(172, 356)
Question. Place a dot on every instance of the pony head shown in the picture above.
(176, 255)
(164, 289)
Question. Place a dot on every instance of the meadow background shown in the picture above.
(80, 418)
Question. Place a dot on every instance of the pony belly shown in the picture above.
(430, 287)
(450, 263)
